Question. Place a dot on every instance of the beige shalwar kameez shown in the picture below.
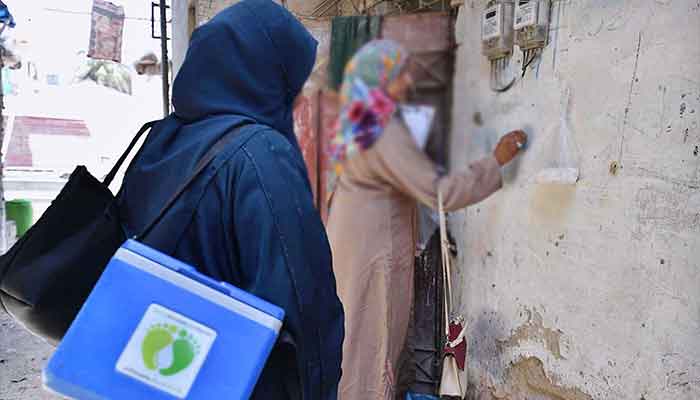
(372, 229)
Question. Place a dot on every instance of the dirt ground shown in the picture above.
(22, 356)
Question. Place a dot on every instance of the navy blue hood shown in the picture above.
(251, 60)
(246, 65)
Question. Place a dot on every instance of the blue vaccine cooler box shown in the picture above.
(155, 328)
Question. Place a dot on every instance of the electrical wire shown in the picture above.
(73, 12)
(532, 58)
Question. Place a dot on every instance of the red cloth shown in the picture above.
(460, 351)
(106, 31)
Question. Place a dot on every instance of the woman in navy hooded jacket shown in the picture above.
(249, 219)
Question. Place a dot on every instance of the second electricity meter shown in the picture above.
(531, 23)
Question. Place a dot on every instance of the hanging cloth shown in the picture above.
(348, 34)
(106, 31)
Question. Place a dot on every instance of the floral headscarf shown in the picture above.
(365, 108)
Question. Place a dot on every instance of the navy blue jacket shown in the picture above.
(249, 219)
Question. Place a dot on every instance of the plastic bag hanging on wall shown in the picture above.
(563, 168)
(419, 120)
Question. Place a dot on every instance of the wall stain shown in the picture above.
(552, 202)
(527, 379)
(484, 353)
(534, 330)
(614, 168)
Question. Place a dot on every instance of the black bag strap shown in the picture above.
(201, 166)
(113, 172)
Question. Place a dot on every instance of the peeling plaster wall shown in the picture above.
(590, 291)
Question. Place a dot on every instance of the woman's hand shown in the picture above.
(509, 146)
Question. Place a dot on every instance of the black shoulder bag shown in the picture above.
(48, 274)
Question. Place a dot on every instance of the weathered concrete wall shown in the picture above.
(589, 291)
(181, 34)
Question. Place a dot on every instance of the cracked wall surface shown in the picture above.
(588, 291)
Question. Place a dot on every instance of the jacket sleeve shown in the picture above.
(285, 259)
(398, 161)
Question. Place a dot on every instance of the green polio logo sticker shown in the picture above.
(166, 351)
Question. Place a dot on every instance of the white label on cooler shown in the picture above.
(166, 351)
(491, 25)
(525, 13)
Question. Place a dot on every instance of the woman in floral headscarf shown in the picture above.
(381, 176)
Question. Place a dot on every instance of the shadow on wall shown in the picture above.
(486, 359)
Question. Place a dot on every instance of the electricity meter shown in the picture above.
(497, 40)
(531, 23)
(531, 27)
(497, 29)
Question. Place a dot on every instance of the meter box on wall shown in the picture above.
(531, 23)
(531, 27)
(497, 42)
(497, 29)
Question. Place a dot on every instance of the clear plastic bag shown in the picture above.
(563, 168)
(419, 120)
